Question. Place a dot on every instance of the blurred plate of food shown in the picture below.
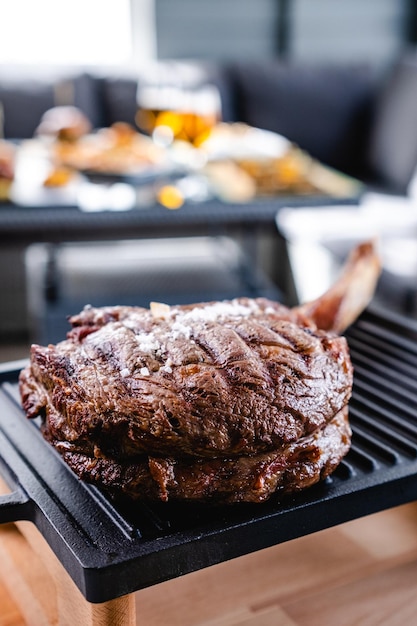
(39, 182)
(114, 152)
(243, 162)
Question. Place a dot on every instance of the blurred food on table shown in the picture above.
(64, 123)
(229, 161)
(59, 176)
(119, 149)
(7, 168)
(264, 163)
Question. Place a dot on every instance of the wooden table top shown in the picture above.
(361, 572)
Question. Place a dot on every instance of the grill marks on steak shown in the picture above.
(217, 379)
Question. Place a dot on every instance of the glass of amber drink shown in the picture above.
(173, 106)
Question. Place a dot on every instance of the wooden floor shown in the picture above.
(360, 573)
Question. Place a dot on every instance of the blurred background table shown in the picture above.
(262, 260)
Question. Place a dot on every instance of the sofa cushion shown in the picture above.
(23, 105)
(84, 92)
(393, 140)
(119, 100)
(323, 109)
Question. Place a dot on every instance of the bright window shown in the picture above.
(86, 32)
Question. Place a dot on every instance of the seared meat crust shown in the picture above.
(251, 478)
(227, 379)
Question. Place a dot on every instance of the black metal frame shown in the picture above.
(55, 224)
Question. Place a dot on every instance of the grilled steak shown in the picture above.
(222, 402)
(225, 378)
(228, 401)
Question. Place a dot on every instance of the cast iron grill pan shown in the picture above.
(111, 549)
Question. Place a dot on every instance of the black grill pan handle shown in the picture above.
(15, 506)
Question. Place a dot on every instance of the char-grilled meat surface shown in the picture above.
(251, 478)
(160, 400)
